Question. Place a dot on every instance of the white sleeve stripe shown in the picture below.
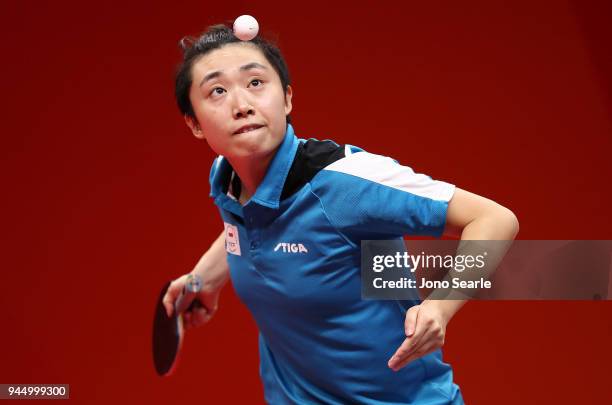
(347, 150)
(386, 171)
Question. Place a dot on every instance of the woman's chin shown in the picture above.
(251, 148)
(252, 144)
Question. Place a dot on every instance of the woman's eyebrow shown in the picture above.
(217, 73)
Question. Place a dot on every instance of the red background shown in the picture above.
(105, 192)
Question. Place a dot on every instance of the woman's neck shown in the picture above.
(251, 172)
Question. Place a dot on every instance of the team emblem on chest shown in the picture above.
(232, 240)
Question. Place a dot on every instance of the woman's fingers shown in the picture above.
(431, 341)
(422, 350)
(196, 317)
(199, 316)
(187, 320)
(407, 347)
(174, 290)
(411, 320)
(428, 331)
(424, 335)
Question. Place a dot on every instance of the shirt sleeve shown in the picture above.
(369, 196)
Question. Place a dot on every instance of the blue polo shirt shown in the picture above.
(294, 255)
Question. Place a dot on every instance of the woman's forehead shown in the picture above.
(229, 58)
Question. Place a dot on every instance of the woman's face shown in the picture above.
(234, 86)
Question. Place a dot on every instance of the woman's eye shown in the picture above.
(258, 81)
(214, 91)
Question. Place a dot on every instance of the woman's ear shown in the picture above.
(192, 123)
(288, 96)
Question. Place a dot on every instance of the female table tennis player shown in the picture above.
(294, 213)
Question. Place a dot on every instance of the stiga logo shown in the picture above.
(291, 247)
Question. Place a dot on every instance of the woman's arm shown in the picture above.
(212, 266)
(214, 273)
(471, 217)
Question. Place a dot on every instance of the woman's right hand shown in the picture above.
(214, 273)
(198, 315)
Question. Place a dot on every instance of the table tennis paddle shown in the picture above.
(168, 330)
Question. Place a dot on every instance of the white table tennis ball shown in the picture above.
(246, 27)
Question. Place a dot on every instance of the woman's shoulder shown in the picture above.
(311, 158)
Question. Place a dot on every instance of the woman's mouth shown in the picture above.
(248, 128)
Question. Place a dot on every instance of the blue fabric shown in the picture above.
(298, 273)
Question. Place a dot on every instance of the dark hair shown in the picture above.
(216, 36)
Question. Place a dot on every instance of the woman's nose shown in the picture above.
(242, 107)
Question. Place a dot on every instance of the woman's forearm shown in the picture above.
(499, 224)
(212, 266)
